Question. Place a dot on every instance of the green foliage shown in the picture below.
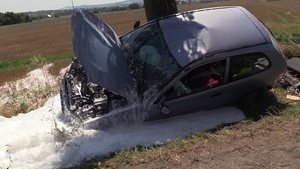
(38, 60)
(289, 39)
(10, 18)
(11, 64)
(288, 34)
(56, 15)
(134, 6)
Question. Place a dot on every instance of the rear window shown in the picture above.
(242, 66)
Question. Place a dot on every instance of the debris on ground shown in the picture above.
(291, 79)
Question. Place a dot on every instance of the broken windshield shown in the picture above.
(150, 60)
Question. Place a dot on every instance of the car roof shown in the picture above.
(198, 34)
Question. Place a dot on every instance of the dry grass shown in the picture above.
(30, 39)
(51, 36)
(211, 149)
(25, 101)
(233, 141)
(123, 21)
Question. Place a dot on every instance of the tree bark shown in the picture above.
(159, 8)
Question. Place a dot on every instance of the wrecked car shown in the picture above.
(171, 66)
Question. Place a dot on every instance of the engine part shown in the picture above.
(87, 99)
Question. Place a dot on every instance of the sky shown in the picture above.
(43, 138)
(35, 5)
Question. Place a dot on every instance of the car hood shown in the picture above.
(99, 50)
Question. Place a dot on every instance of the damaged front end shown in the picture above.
(82, 99)
(98, 80)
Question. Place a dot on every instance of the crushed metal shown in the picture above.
(291, 78)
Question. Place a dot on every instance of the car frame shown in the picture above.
(171, 66)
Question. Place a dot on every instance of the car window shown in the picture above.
(242, 66)
(149, 58)
(201, 78)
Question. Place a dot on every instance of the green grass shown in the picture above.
(272, 111)
(288, 30)
(288, 34)
(12, 64)
(33, 61)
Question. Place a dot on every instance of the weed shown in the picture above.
(290, 49)
(24, 101)
(260, 103)
(201, 135)
(293, 110)
(23, 108)
(34, 61)
(88, 164)
(6, 65)
(38, 60)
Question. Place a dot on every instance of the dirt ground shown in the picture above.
(273, 142)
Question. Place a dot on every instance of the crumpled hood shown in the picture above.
(99, 50)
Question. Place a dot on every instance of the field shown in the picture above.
(24, 47)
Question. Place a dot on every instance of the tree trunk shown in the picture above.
(159, 8)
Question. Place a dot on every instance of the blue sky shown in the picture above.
(34, 5)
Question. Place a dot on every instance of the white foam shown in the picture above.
(43, 139)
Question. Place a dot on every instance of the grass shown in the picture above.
(25, 101)
(14, 69)
(168, 152)
(24, 47)
(288, 35)
(20, 44)
(34, 61)
(261, 108)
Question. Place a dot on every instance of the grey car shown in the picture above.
(175, 65)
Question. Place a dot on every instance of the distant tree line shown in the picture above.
(117, 8)
(59, 13)
(10, 18)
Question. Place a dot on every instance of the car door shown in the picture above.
(201, 88)
(247, 73)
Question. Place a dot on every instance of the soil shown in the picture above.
(273, 142)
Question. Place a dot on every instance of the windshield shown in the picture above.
(150, 60)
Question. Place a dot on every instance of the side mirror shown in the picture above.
(136, 24)
(163, 108)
